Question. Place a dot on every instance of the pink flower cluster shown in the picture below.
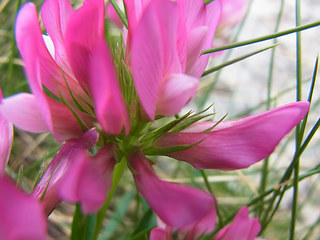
(80, 97)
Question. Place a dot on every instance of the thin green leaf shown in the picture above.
(263, 38)
(117, 217)
(120, 13)
(216, 68)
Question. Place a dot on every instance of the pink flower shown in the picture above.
(50, 185)
(164, 43)
(89, 179)
(232, 13)
(242, 227)
(21, 216)
(178, 206)
(6, 137)
(234, 144)
(74, 64)
(196, 30)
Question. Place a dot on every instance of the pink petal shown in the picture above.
(55, 15)
(194, 17)
(178, 206)
(205, 225)
(196, 39)
(158, 234)
(83, 30)
(167, 14)
(110, 106)
(235, 144)
(89, 179)
(232, 13)
(58, 167)
(193, 12)
(175, 93)
(22, 110)
(213, 10)
(153, 53)
(34, 51)
(6, 137)
(134, 10)
(242, 227)
(21, 216)
(146, 60)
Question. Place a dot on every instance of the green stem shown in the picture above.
(265, 168)
(117, 174)
(206, 182)
(298, 135)
(11, 83)
(263, 38)
(120, 13)
(216, 68)
(286, 176)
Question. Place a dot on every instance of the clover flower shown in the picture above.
(105, 105)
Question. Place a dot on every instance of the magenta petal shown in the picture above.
(58, 167)
(109, 104)
(146, 60)
(175, 93)
(196, 40)
(34, 52)
(55, 15)
(158, 234)
(89, 179)
(242, 227)
(22, 110)
(83, 30)
(6, 137)
(235, 144)
(21, 216)
(176, 205)
(194, 17)
(232, 13)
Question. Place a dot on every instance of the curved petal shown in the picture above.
(88, 179)
(242, 227)
(6, 137)
(134, 10)
(232, 13)
(34, 51)
(154, 53)
(48, 185)
(110, 106)
(83, 30)
(196, 39)
(213, 10)
(22, 110)
(158, 234)
(175, 93)
(194, 17)
(146, 59)
(235, 144)
(57, 116)
(177, 206)
(21, 216)
(55, 15)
